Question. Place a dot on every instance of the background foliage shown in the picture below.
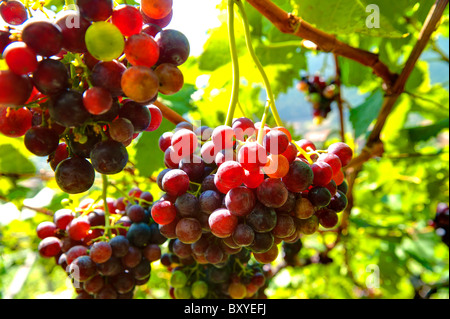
(395, 196)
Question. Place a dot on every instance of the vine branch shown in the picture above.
(290, 24)
(374, 145)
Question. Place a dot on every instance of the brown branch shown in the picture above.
(290, 24)
(374, 145)
(339, 97)
(169, 114)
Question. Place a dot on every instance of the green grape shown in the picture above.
(199, 289)
(182, 293)
(178, 279)
(104, 41)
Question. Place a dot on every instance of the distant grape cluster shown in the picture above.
(81, 86)
(225, 192)
(320, 93)
(102, 263)
(238, 278)
(441, 222)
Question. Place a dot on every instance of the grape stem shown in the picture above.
(263, 123)
(105, 205)
(235, 64)
(248, 41)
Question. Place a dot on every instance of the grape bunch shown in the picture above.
(225, 192)
(104, 264)
(320, 94)
(79, 87)
(441, 222)
(235, 279)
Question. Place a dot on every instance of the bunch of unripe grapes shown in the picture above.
(225, 192)
(104, 264)
(234, 279)
(441, 222)
(320, 93)
(80, 87)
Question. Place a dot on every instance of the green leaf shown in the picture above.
(345, 16)
(13, 162)
(149, 158)
(363, 115)
(424, 133)
(180, 102)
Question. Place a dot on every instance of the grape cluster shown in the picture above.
(441, 222)
(102, 265)
(320, 94)
(80, 87)
(225, 192)
(235, 279)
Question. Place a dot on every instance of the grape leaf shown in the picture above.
(340, 17)
(149, 158)
(363, 115)
(424, 133)
(13, 162)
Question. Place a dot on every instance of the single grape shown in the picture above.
(141, 49)
(15, 122)
(15, 89)
(119, 246)
(323, 173)
(163, 212)
(20, 58)
(148, 83)
(97, 100)
(128, 19)
(252, 156)
(209, 201)
(170, 77)
(222, 223)
(109, 157)
(229, 175)
(156, 9)
(100, 252)
(175, 182)
(13, 12)
(240, 201)
(108, 74)
(43, 37)
(304, 209)
(139, 234)
(262, 219)
(187, 205)
(243, 235)
(74, 175)
(95, 10)
(338, 202)
(41, 140)
(139, 115)
(82, 268)
(174, 47)
(104, 41)
(67, 109)
(121, 129)
(327, 218)
(319, 196)
(46, 229)
(299, 177)
(156, 117)
(343, 151)
(272, 193)
(78, 228)
(188, 230)
(73, 28)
